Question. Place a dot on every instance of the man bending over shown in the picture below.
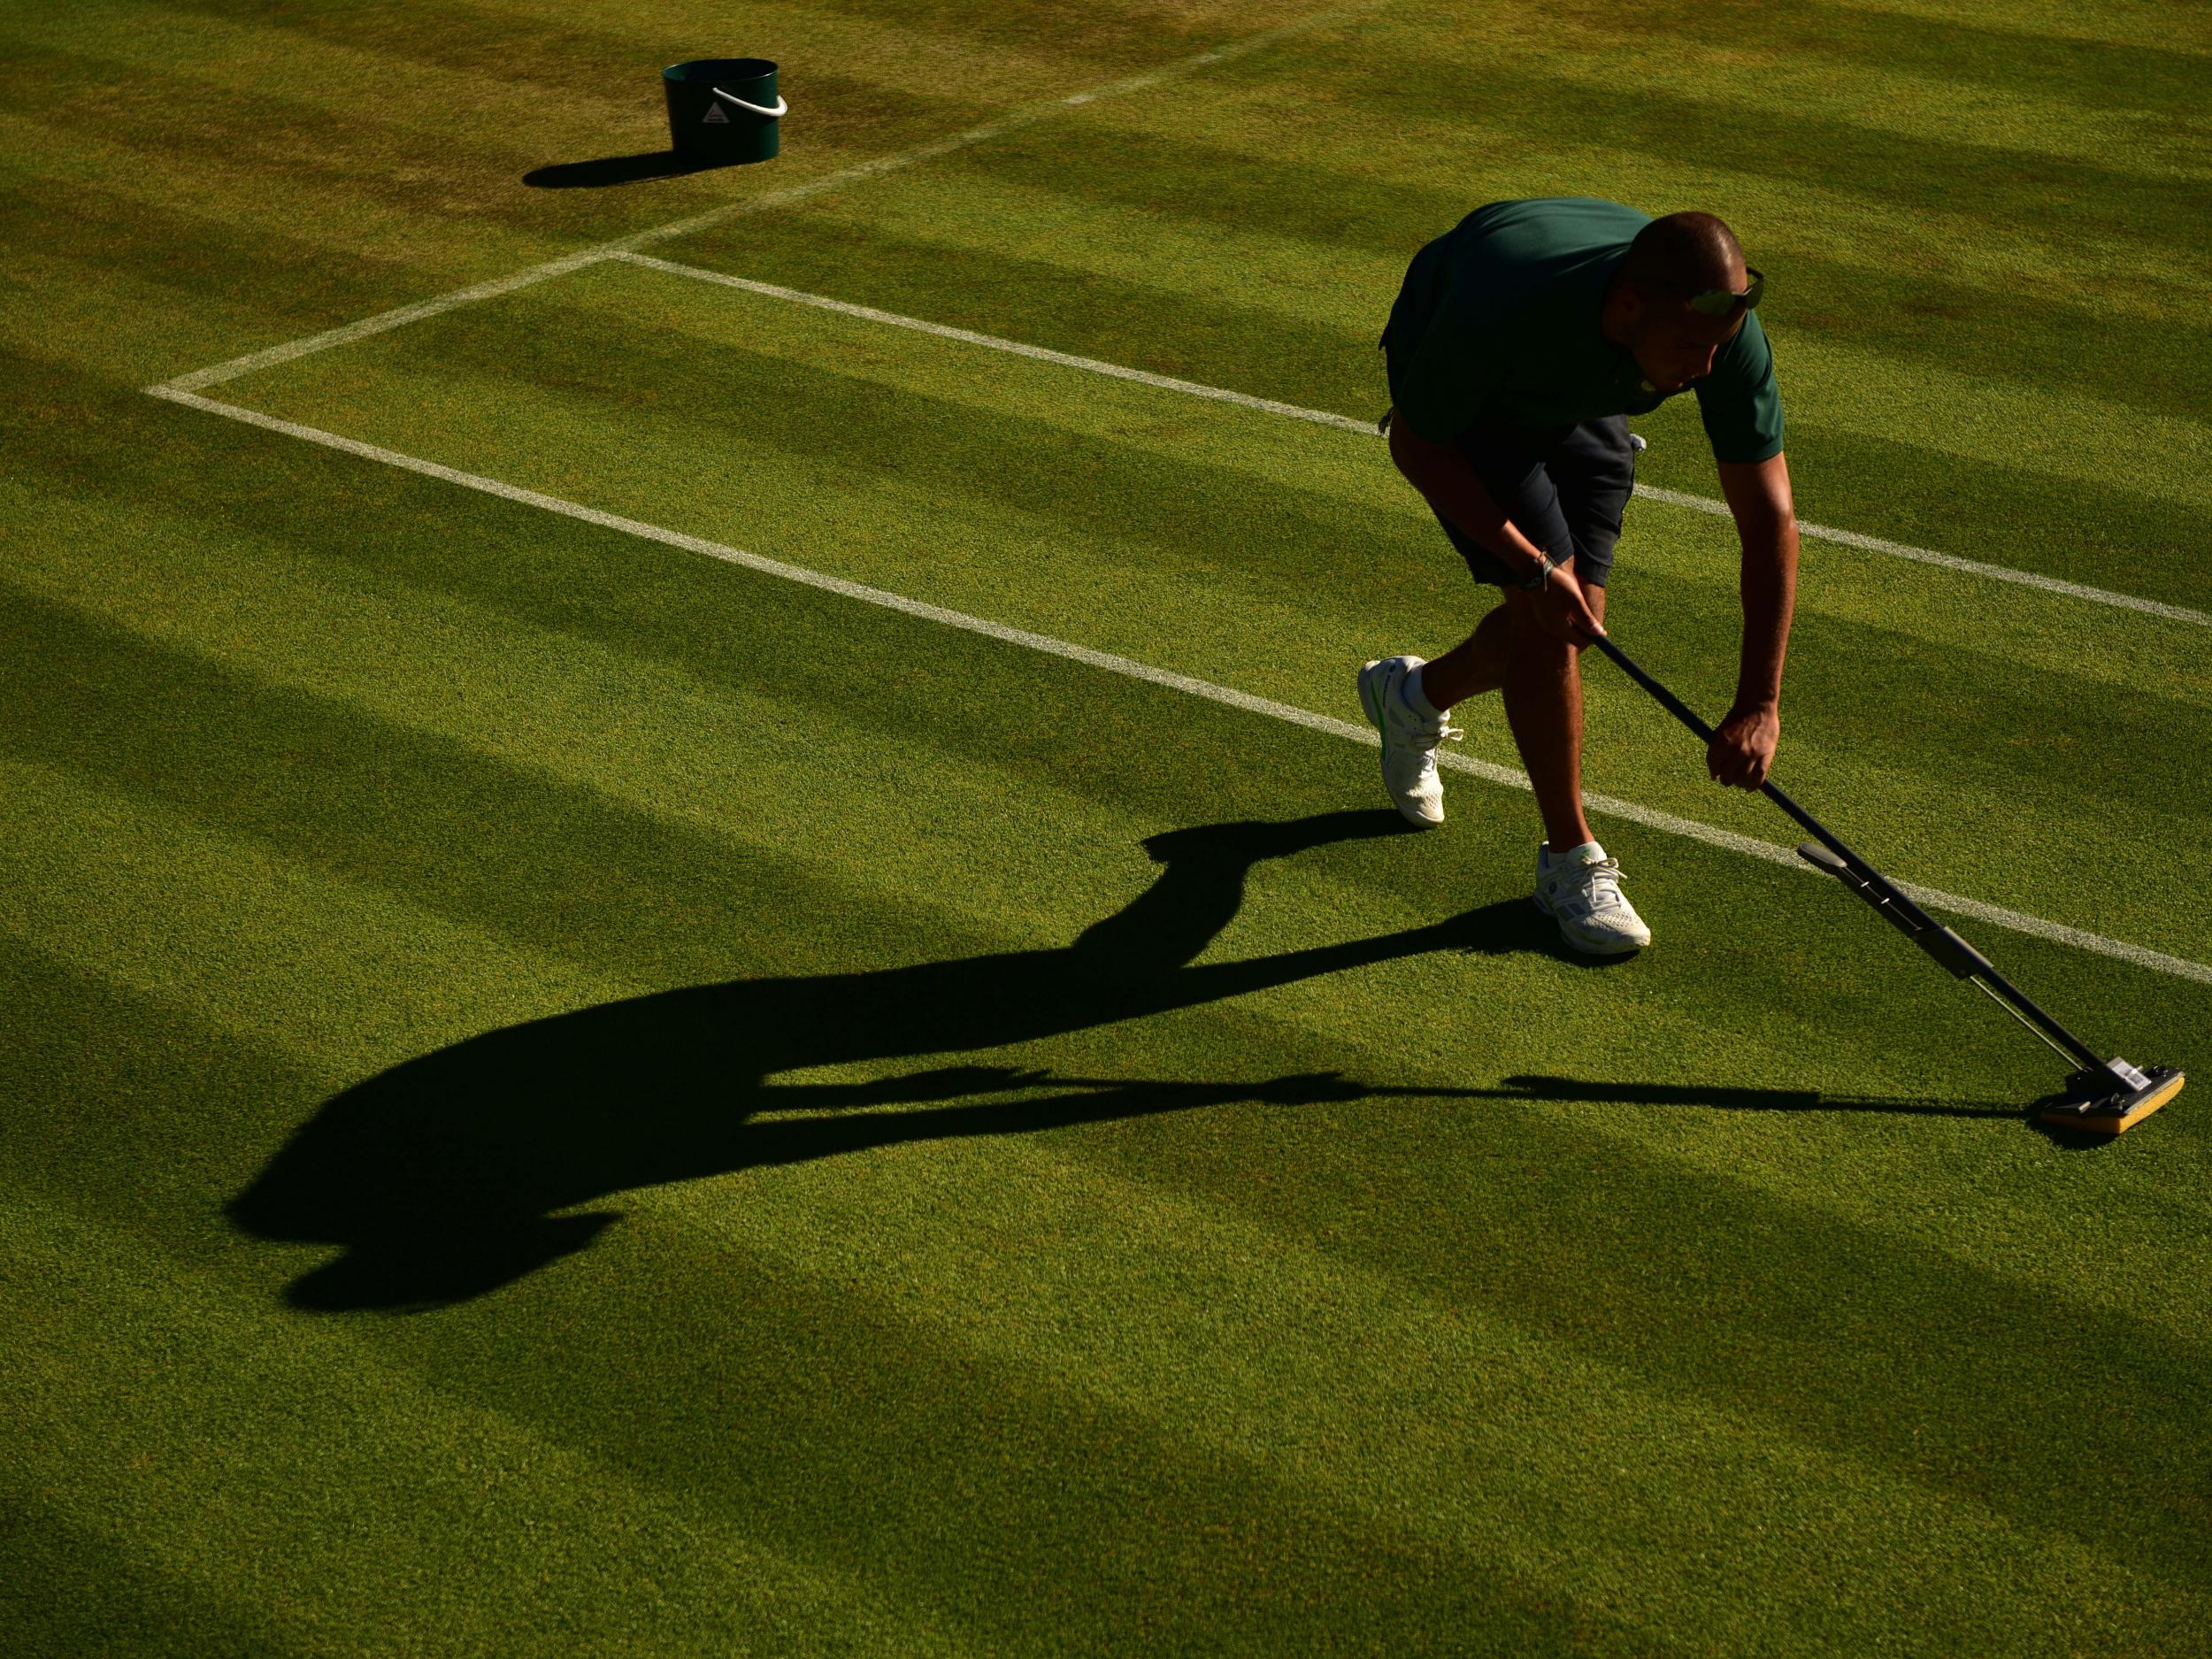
(1520, 344)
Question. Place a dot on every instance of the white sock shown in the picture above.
(1588, 853)
(1409, 694)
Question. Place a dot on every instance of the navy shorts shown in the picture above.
(1564, 487)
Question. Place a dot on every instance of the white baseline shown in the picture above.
(2157, 961)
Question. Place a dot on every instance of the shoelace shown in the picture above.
(1591, 886)
(1421, 735)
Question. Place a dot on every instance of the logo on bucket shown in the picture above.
(714, 116)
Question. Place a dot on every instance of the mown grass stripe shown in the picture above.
(1180, 533)
(2119, 949)
(1171, 267)
(642, 605)
(70, 1584)
(875, 166)
(262, 1515)
(1688, 120)
(1195, 1234)
(212, 699)
(1388, 1396)
(261, 891)
(695, 1353)
(1951, 561)
(864, 1439)
(685, 1288)
(969, 336)
(1325, 417)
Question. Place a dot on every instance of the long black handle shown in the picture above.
(1903, 906)
(1870, 884)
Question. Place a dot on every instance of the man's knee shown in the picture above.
(1533, 645)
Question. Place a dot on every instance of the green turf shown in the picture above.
(565, 1096)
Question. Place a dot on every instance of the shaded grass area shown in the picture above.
(70, 1589)
(560, 1096)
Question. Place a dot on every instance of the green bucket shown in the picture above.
(723, 111)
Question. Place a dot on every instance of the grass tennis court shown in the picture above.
(565, 1093)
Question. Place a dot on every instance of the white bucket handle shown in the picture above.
(757, 108)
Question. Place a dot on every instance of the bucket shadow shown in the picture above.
(607, 171)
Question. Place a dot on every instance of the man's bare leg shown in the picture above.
(1474, 665)
(1541, 677)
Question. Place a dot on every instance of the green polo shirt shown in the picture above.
(1498, 320)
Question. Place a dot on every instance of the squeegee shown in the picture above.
(2102, 1096)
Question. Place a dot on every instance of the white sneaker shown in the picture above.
(1581, 890)
(1408, 741)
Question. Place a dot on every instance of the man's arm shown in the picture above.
(1758, 494)
(1450, 485)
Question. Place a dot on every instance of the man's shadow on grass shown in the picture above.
(447, 1175)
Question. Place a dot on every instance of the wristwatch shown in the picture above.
(1545, 565)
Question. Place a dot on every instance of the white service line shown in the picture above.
(967, 336)
(216, 373)
(2157, 961)
(1326, 418)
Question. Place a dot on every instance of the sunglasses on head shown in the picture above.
(1721, 302)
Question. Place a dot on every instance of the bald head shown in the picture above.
(1684, 254)
(1648, 303)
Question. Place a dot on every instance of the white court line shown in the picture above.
(945, 331)
(627, 246)
(216, 373)
(1325, 417)
(2157, 961)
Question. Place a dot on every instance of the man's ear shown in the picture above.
(1628, 309)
